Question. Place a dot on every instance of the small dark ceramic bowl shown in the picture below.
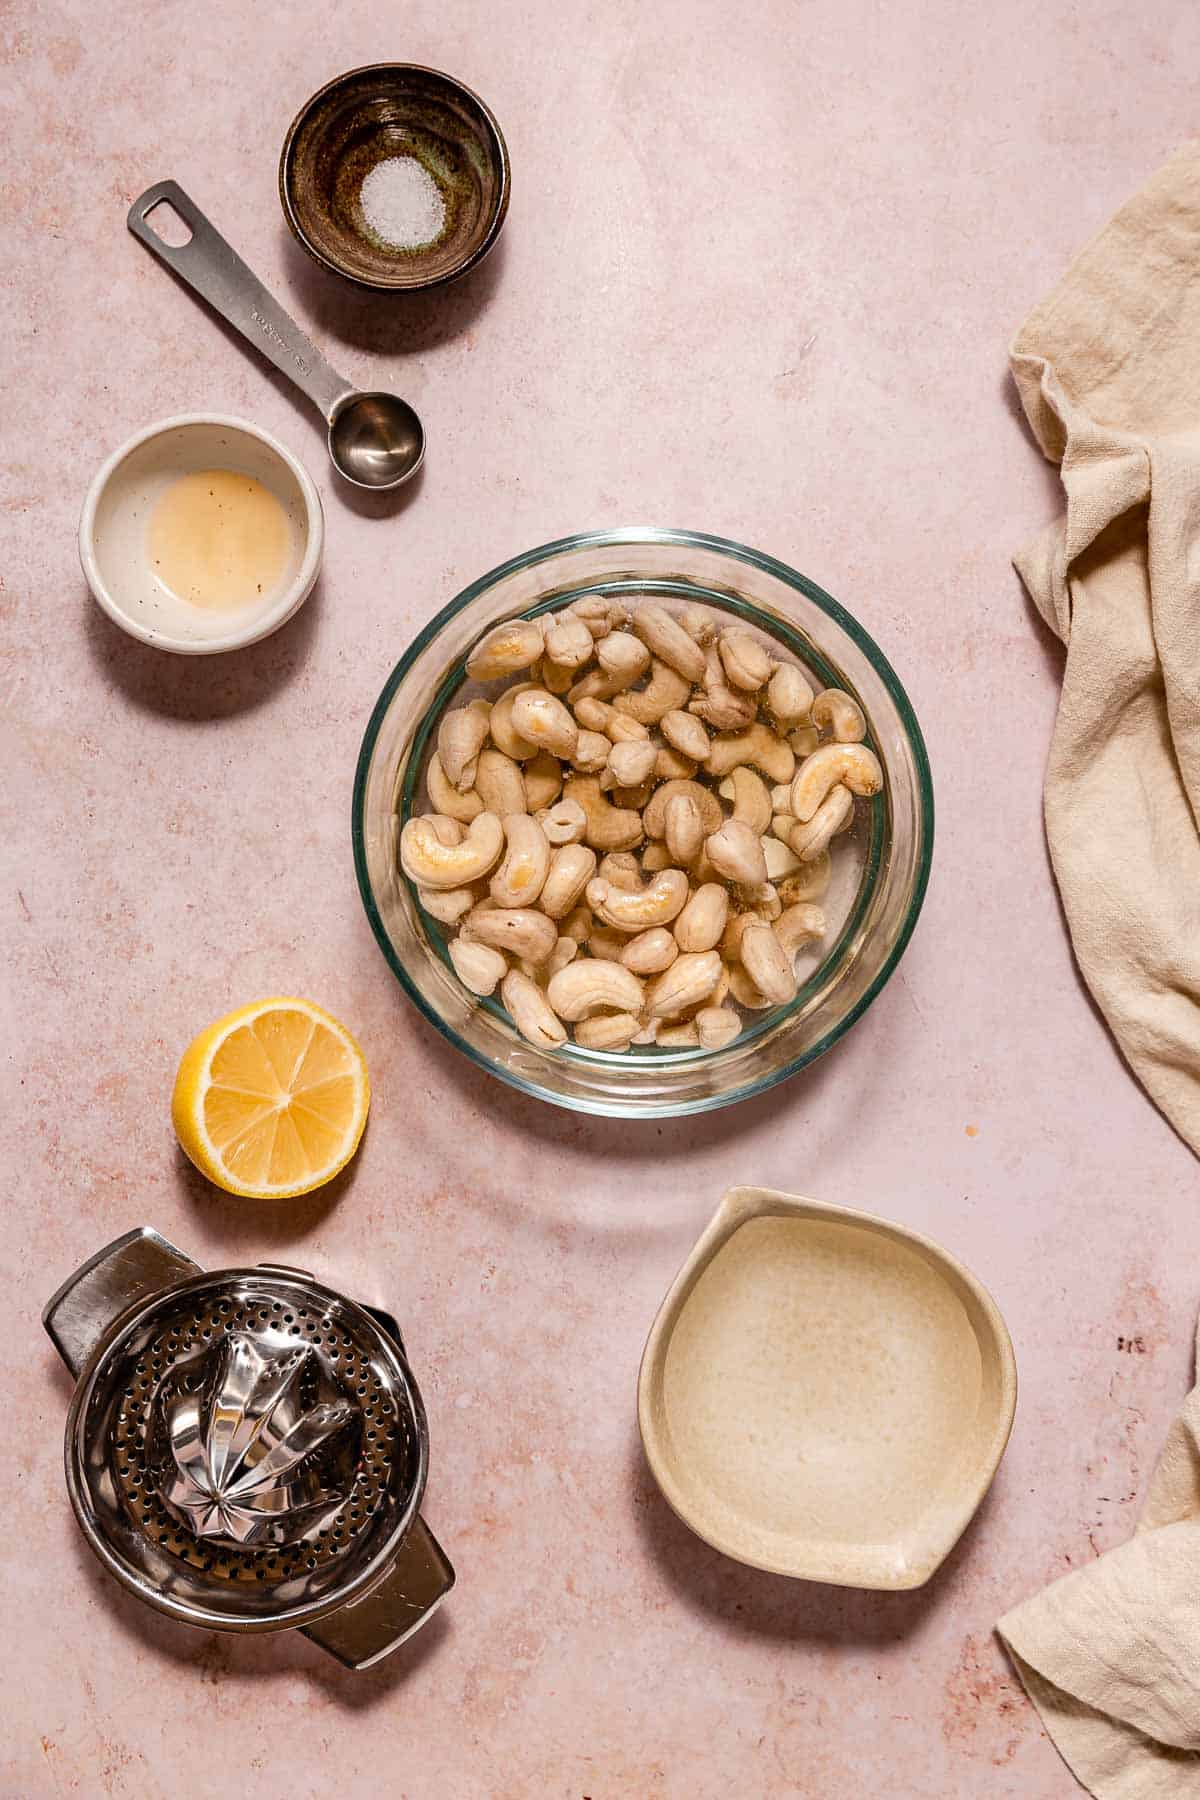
(365, 118)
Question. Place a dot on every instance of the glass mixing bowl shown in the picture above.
(881, 866)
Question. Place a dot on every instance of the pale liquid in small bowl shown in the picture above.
(218, 539)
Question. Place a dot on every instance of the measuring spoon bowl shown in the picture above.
(375, 440)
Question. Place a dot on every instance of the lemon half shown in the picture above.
(271, 1100)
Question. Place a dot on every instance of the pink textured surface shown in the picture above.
(758, 277)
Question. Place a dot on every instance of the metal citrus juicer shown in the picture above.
(246, 1450)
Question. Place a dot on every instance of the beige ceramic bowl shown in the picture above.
(824, 1394)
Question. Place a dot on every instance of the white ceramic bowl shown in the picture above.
(112, 532)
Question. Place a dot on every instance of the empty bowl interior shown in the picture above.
(369, 117)
(827, 1396)
(122, 563)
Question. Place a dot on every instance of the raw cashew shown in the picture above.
(447, 905)
(678, 1037)
(853, 765)
(717, 1026)
(564, 951)
(586, 986)
(517, 929)
(719, 705)
(700, 924)
(837, 712)
(620, 868)
(554, 677)
(781, 858)
(656, 904)
(684, 828)
(684, 732)
(445, 829)
(478, 968)
(629, 763)
(735, 930)
(607, 943)
(757, 745)
(429, 863)
(597, 612)
(743, 658)
(564, 823)
(737, 853)
(650, 952)
(689, 981)
(809, 881)
(656, 857)
(506, 649)
(698, 624)
(744, 990)
(804, 740)
(595, 685)
(702, 871)
(751, 801)
(544, 722)
(781, 797)
(578, 922)
(723, 710)
(712, 816)
(446, 797)
(669, 641)
(531, 1012)
(624, 657)
(571, 868)
(522, 874)
(670, 766)
(798, 926)
(461, 736)
(607, 1031)
(505, 735)
(833, 815)
(764, 901)
(768, 964)
(619, 728)
(500, 783)
(568, 640)
(543, 781)
(665, 689)
(608, 827)
(591, 752)
(788, 695)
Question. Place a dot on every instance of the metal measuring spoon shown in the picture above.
(375, 440)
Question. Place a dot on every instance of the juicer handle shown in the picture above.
(409, 1594)
(128, 1269)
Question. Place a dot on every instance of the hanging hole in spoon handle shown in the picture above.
(376, 440)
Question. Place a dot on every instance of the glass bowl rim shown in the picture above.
(615, 538)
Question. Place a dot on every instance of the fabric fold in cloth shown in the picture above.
(1108, 369)
(1110, 1655)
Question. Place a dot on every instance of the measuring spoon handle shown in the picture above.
(207, 264)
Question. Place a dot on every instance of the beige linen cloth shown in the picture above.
(1109, 374)
(1110, 1655)
(1108, 369)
